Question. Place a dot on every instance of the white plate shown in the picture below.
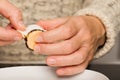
(45, 73)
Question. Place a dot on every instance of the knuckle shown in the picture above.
(78, 59)
(69, 31)
(82, 20)
(88, 37)
(69, 48)
(17, 12)
(82, 59)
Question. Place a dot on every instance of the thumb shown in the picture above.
(9, 35)
(13, 14)
(53, 23)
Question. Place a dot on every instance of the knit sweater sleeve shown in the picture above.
(108, 12)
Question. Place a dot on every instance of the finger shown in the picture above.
(3, 43)
(9, 26)
(72, 70)
(51, 24)
(68, 60)
(13, 14)
(63, 47)
(61, 33)
(9, 35)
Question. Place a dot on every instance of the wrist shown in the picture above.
(99, 28)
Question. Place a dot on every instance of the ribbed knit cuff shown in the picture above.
(110, 33)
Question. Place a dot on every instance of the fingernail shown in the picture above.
(21, 25)
(17, 38)
(51, 61)
(39, 39)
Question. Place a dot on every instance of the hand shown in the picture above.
(70, 43)
(9, 34)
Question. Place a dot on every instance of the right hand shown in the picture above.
(70, 43)
(10, 34)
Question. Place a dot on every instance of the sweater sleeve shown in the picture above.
(108, 12)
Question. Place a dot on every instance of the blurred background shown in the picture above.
(35, 10)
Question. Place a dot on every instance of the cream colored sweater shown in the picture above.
(106, 10)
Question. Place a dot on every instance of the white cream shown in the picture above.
(29, 29)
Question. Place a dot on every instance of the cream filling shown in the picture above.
(29, 29)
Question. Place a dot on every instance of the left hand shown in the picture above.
(9, 34)
(70, 43)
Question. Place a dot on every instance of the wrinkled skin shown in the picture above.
(70, 43)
